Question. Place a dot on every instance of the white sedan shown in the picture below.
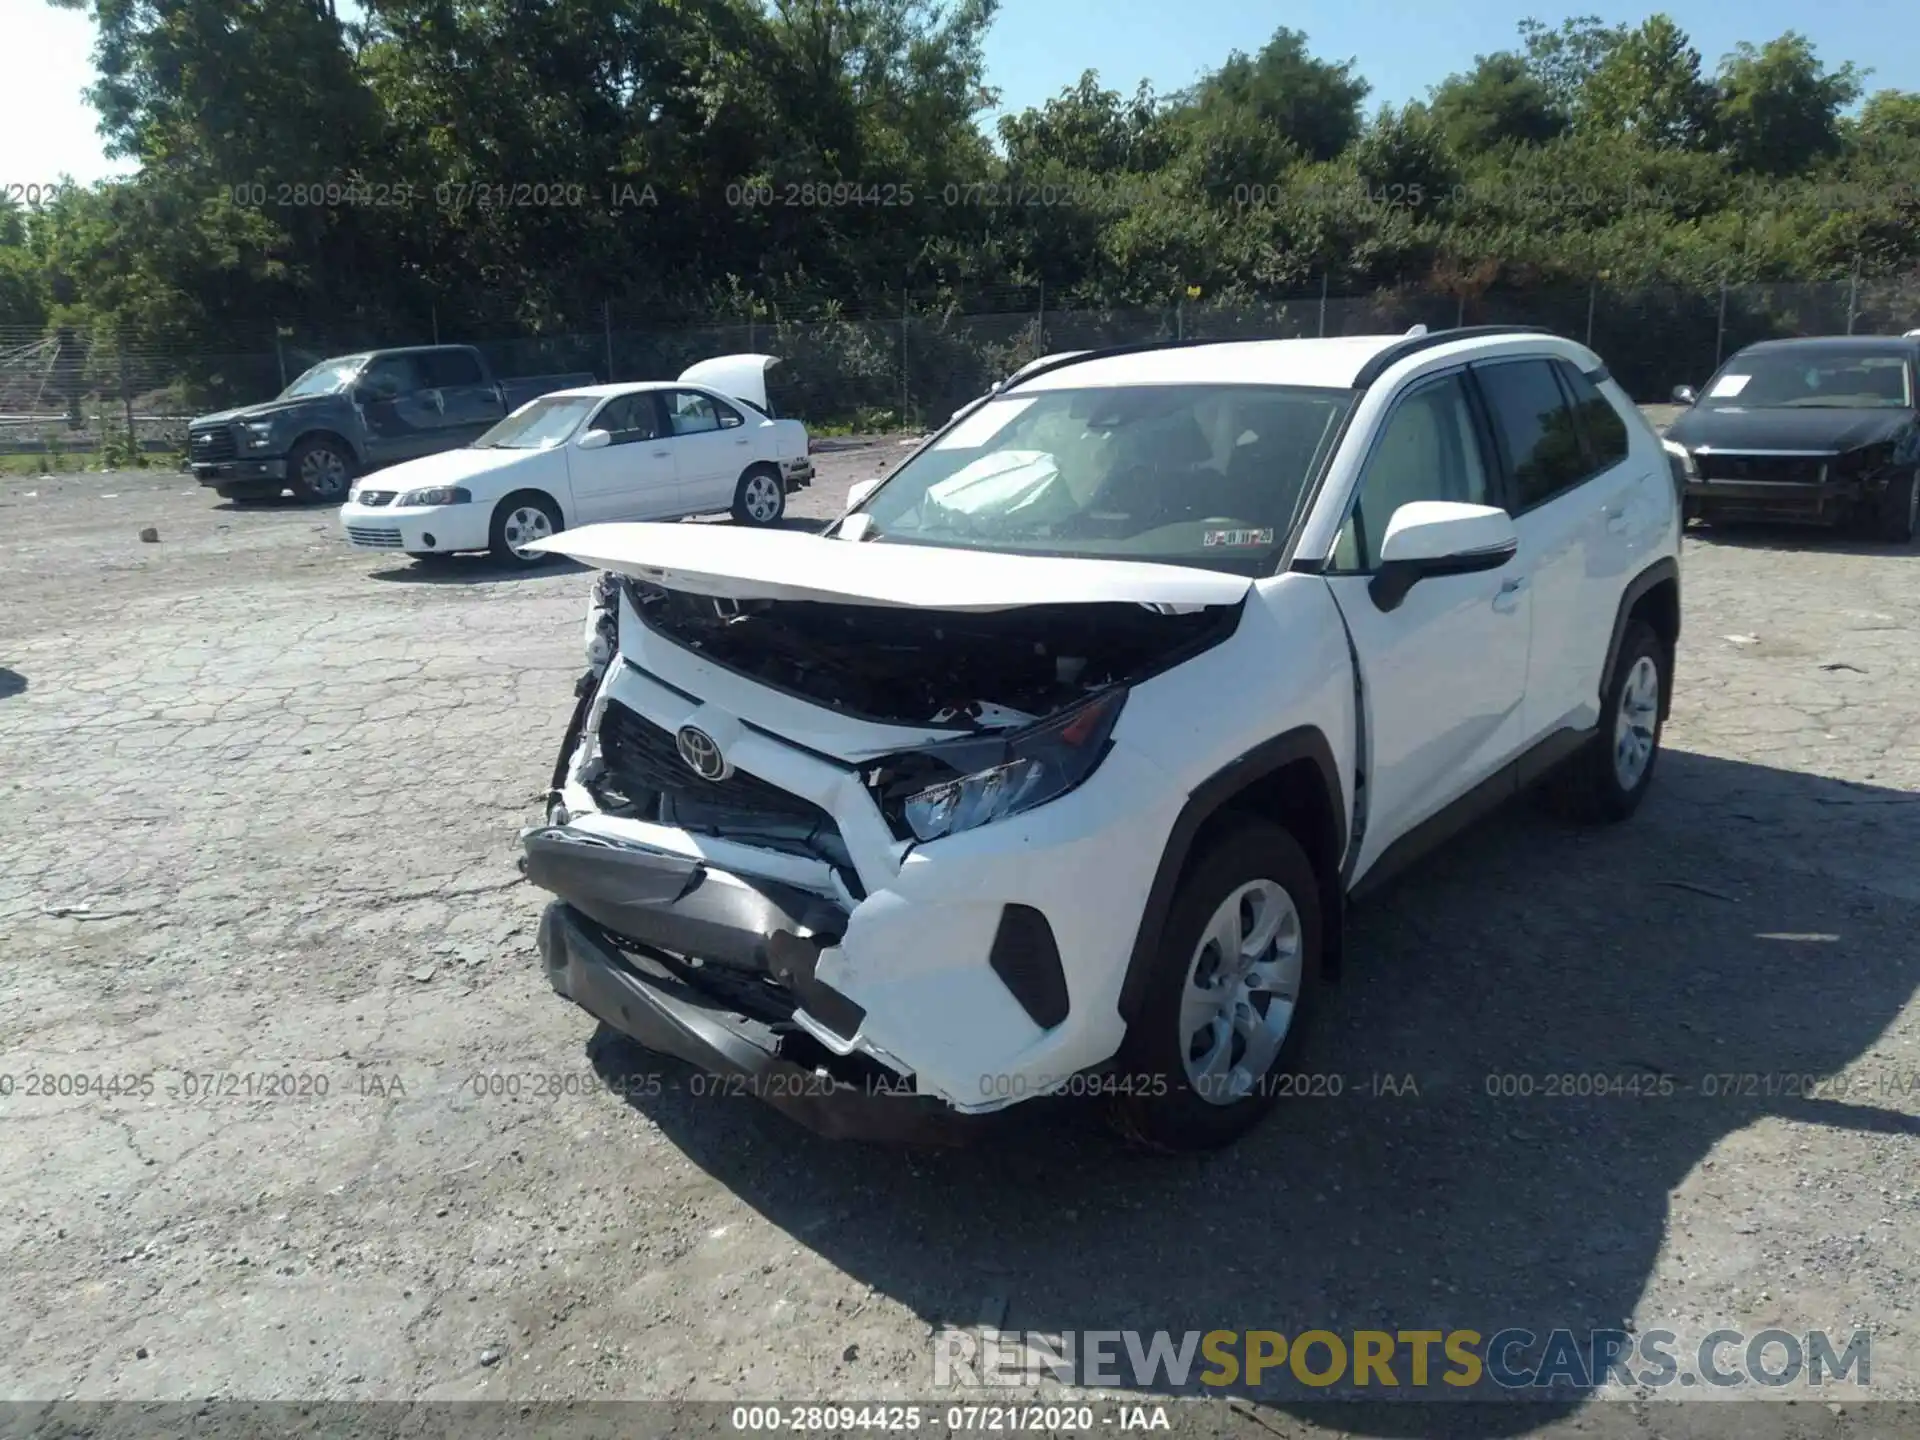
(660, 450)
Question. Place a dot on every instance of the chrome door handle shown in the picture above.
(740, 440)
(661, 454)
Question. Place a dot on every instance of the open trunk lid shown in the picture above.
(740, 564)
(742, 376)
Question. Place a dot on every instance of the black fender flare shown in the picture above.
(1208, 798)
(1664, 569)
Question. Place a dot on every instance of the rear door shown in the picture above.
(711, 446)
(633, 478)
(402, 420)
(1563, 504)
(467, 402)
(1443, 674)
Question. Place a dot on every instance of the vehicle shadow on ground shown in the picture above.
(1762, 535)
(1749, 921)
(473, 570)
(12, 683)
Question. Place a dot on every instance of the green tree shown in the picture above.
(1779, 108)
(1501, 101)
(1649, 84)
(1313, 105)
(1564, 58)
(1893, 114)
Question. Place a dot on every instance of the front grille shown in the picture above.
(375, 497)
(644, 775)
(1774, 469)
(382, 537)
(212, 445)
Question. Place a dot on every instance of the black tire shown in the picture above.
(1164, 1110)
(429, 557)
(248, 494)
(760, 490)
(1590, 788)
(1896, 518)
(321, 470)
(508, 519)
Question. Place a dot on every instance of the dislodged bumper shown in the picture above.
(611, 945)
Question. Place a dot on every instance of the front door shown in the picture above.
(1443, 673)
(401, 415)
(633, 477)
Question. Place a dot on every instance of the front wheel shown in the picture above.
(518, 521)
(1899, 512)
(321, 470)
(1228, 998)
(761, 497)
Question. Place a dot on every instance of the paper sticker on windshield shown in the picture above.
(1728, 385)
(1236, 537)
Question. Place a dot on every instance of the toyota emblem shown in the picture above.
(702, 755)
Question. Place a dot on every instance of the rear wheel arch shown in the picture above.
(1653, 596)
(1290, 780)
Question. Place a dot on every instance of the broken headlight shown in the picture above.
(999, 777)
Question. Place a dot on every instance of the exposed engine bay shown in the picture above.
(968, 670)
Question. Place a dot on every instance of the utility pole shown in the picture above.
(1323, 304)
(1040, 333)
(606, 326)
(1853, 294)
(903, 356)
(1720, 330)
(280, 354)
(1593, 294)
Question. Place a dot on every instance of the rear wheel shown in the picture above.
(518, 521)
(1606, 780)
(1228, 998)
(321, 470)
(761, 497)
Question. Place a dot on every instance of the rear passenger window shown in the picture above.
(445, 368)
(1601, 427)
(1536, 426)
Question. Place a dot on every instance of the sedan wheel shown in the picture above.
(761, 498)
(524, 526)
(518, 523)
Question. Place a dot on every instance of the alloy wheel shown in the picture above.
(762, 498)
(524, 526)
(323, 474)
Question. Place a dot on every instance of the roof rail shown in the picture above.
(1139, 347)
(1414, 344)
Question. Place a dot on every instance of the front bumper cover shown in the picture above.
(231, 472)
(740, 929)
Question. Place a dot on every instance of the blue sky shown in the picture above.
(1039, 46)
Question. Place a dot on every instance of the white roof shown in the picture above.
(601, 392)
(1332, 362)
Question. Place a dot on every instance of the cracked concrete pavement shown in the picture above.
(288, 1111)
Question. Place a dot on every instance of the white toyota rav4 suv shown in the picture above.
(1054, 763)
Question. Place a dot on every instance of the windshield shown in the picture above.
(327, 378)
(539, 424)
(1205, 475)
(1811, 380)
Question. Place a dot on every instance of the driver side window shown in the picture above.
(1427, 450)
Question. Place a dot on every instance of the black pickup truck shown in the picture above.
(355, 413)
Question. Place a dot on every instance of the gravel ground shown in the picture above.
(261, 795)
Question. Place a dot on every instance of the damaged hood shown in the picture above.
(740, 564)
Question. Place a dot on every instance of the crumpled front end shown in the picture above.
(736, 886)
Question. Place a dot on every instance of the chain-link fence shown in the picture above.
(76, 389)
